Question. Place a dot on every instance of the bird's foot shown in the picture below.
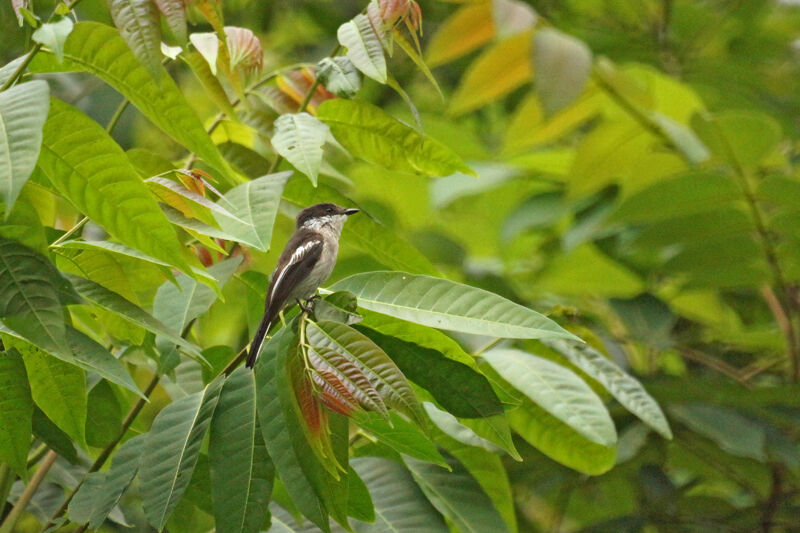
(308, 307)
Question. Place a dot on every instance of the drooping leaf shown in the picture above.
(299, 138)
(457, 496)
(92, 171)
(445, 304)
(16, 412)
(627, 390)
(174, 12)
(138, 24)
(23, 110)
(344, 380)
(458, 388)
(359, 350)
(29, 295)
(468, 28)
(399, 504)
(557, 390)
(359, 501)
(375, 136)
(364, 47)
(452, 428)
(400, 435)
(103, 416)
(362, 231)
(101, 491)
(100, 50)
(117, 304)
(207, 45)
(295, 463)
(53, 35)
(241, 470)
(499, 70)
(170, 452)
(339, 76)
(563, 64)
(255, 202)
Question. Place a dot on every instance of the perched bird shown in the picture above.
(306, 262)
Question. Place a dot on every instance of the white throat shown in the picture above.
(327, 224)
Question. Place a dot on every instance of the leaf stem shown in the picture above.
(117, 115)
(10, 522)
(37, 455)
(70, 232)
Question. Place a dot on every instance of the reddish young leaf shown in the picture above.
(309, 405)
(245, 50)
(333, 393)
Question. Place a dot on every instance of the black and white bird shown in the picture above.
(306, 262)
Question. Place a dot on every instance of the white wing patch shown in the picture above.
(296, 256)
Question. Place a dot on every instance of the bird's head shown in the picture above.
(319, 216)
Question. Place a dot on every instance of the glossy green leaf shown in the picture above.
(299, 138)
(557, 390)
(375, 136)
(339, 76)
(627, 390)
(400, 506)
(445, 304)
(241, 470)
(559, 441)
(53, 35)
(278, 413)
(58, 388)
(16, 412)
(359, 350)
(117, 304)
(256, 203)
(364, 47)
(101, 491)
(362, 231)
(92, 171)
(99, 49)
(400, 435)
(458, 388)
(138, 24)
(457, 496)
(29, 299)
(171, 450)
(23, 110)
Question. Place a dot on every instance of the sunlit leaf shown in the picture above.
(23, 110)
(188, 202)
(339, 76)
(53, 35)
(138, 24)
(370, 133)
(299, 138)
(465, 30)
(401, 435)
(364, 47)
(170, 452)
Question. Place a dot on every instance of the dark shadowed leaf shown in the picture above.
(16, 412)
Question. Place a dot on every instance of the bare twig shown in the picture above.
(11, 520)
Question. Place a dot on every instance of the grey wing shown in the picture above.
(292, 271)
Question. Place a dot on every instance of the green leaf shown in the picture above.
(359, 350)
(208, 80)
(339, 306)
(139, 25)
(256, 203)
(23, 110)
(563, 64)
(174, 12)
(46, 431)
(29, 295)
(362, 231)
(451, 427)
(731, 431)
(339, 76)
(359, 502)
(400, 506)
(299, 138)
(740, 138)
(279, 415)
(241, 470)
(400, 435)
(53, 35)
(16, 412)
(445, 304)
(171, 450)
(559, 441)
(458, 388)
(627, 390)
(58, 388)
(101, 491)
(375, 136)
(104, 415)
(364, 47)
(187, 202)
(457, 496)
(557, 390)
(99, 49)
(93, 172)
(117, 304)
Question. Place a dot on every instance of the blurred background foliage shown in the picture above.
(656, 215)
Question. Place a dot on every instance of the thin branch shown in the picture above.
(11, 520)
(117, 115)
(716, 364)
(70, 232)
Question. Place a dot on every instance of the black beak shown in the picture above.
(351, 211)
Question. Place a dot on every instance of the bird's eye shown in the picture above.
(329, 210)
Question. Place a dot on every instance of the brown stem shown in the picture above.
(770, 506)
(11, 520)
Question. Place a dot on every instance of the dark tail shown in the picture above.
(258, 339)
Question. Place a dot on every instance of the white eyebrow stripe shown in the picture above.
(297, 256)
